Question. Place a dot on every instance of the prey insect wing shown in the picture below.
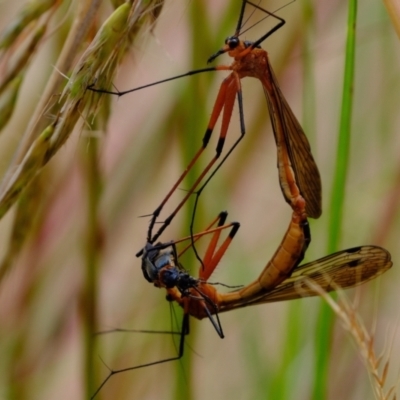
(344, 269)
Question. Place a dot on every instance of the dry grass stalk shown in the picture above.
(376, 366)
(393, 8)
(97, 65)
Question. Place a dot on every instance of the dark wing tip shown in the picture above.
(313, 211)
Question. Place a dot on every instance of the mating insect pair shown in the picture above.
(282, 278)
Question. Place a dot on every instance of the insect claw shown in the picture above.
(145, 215)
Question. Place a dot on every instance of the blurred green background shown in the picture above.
(269, 351)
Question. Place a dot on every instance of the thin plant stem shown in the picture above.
(326, 318)
(93, 254)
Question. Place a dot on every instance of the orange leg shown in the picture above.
(219, 222)
(212, 255)
(225, 101)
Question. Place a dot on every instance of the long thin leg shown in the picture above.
(122, 93)
(184, 332)
(225, 124)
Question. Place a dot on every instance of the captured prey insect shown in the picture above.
(293, 149)
(281, 279)
(160, 266)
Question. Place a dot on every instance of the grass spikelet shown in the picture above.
(21, 59)
(364, 341)
(30, 166)
(97, 65)
(8, 100)
(99, 60)
(32, 11)
(28, 207)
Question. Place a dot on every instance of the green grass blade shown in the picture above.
(295, 322)
(92, 252)
(326, 319)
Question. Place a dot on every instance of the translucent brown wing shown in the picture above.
(345, 269)
(303, 164)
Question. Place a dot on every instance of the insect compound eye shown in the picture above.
(153, 262)
(149, 270)
(232, 42)
(169, 277)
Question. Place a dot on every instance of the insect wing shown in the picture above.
(303, 164)
(345, 269)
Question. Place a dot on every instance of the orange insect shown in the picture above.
(293, 149)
